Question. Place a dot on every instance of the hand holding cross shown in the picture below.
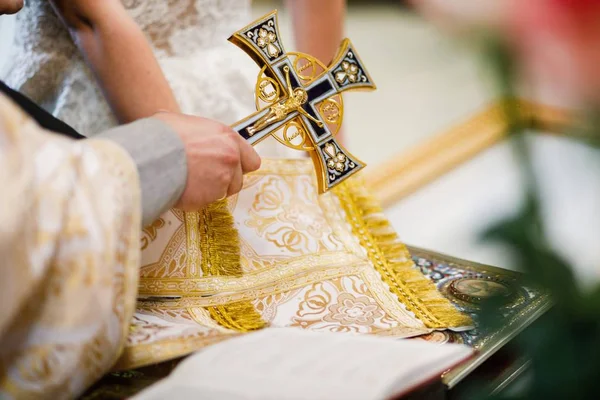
(300, 101)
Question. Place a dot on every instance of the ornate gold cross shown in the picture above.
(299, 99)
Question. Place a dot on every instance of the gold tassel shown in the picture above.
(220, 248)
(240, 316)
(393, 261)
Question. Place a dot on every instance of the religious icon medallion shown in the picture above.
(478, 289)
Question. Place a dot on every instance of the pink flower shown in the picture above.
(464, 15)
(556, 42)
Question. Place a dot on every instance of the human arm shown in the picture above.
(318, 27)
(156, 149)
(184, 161)
(120, 56)
(159, 155)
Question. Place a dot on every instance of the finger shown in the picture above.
(10, 6)
(237, 181)
(248, 156)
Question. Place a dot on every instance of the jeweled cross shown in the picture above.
(299, 102)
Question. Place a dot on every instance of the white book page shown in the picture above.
(286, 364)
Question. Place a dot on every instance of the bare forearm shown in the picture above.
(318, 26)
(128, 72)
(121, 58)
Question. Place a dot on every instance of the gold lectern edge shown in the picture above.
(411, 170)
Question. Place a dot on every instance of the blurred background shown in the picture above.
(427, 83)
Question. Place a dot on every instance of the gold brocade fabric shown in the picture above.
(69, 218)
(326, 263)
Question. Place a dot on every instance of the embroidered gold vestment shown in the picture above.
(328, 262)
(69, 229)
(277, 255)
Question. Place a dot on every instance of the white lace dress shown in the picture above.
(209, 76)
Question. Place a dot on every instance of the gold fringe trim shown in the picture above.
(240, 316)
(220, 246)
(219, 241)
(392, 260)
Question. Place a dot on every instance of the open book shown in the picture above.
(287, 364)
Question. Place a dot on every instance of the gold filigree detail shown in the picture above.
(296, 98)
(349, 72)
(266, 40)
(289, 239)
(298, 133)
(304, 62)
(336, 160)
(264, 84)
(141, 330)
(223, 289)
(167, 349)
(312, 82)
(331, 111)
(315, 301)
(293, 133)
(151, 232)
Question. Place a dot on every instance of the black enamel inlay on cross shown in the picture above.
(244, 132)
(314, 91)
(350, 165)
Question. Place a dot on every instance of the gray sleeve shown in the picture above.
(159, 155)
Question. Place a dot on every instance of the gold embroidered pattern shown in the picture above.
(151, 231)
(331, 284)
(341, 305)
(268, 305)
(391, 258)
(353, 310)
(220, 248)
(212, 286)
(287, 213)
(223, 290)
(273, 303)
(82, 255)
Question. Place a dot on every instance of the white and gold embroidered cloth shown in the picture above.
(327, 263)
(69, 218)
(68, 227)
